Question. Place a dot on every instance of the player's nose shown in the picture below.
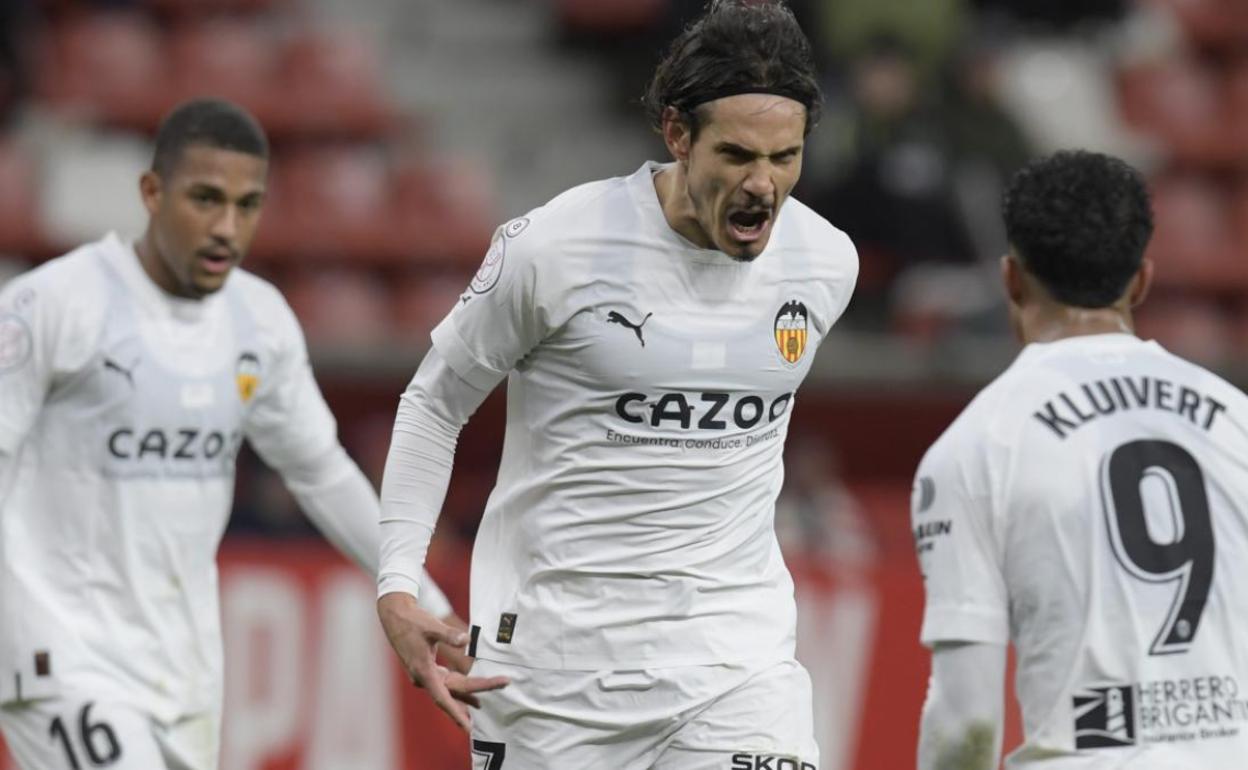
(758, 184)
(225, 227)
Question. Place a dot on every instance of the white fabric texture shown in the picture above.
(650, 385)
(1090, 506)
(121, 413)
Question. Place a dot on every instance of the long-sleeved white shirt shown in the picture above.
(121, 413)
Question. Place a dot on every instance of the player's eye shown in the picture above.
(251, 203)
(736, 155)
(202, 196)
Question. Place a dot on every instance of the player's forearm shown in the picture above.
(431, 414)
(963, 715)
(340, 501)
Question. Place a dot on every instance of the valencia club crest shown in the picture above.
(247, 375)
(791, 330)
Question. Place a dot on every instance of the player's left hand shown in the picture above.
(415, 634)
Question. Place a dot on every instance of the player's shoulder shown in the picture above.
(992, 418)
(1207, 381)
(809, 230)
(67, 271)
(74, 283)
(808, 244)
(588, 207)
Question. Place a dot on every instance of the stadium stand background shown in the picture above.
(405, 130)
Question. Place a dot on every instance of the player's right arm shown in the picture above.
(432, 411)
(961, 725)
(966, 616)
(500, 318)
(32, 326)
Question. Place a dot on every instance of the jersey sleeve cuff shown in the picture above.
(391, 583)
(452, 347)
(964, 624)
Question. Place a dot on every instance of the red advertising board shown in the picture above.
(311, 684)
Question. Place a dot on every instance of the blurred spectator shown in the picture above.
(16, 17)
(1060, 14)
(987, 142)
(895, 192)
(817, 517)
(929, 30)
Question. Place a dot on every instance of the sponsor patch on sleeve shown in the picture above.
(16, 342)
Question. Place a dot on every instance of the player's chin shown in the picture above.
(205, 283)
(743, 251)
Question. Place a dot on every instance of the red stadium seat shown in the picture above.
(1237, 101)
(333, 85)
(1239, 214)
(609, 17)
(1193, 245)
(443, 213)
(107, 66)
(19, 214)
(340, 307)
(212, 7)
(1210, 23)
(228, 58)
(1189, 327)
(335, 201)
(1182, 103)
(422, 300)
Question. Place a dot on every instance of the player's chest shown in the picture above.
(720, 337)
(161, 399)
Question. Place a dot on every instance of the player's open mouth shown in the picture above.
(216, 262)
(749, 226)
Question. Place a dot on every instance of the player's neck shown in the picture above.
(154, 266)
(1052, 322)
(673, 191)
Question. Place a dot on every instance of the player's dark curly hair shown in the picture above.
(206, 122)
(1080, 222)
(735, 47)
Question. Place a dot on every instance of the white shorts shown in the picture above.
(70, 733)
(723, 717)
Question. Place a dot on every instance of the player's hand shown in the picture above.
(455, 658)
(415, 634)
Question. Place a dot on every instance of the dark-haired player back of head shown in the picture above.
(1091, 507)
(653, 330)
(129, 376)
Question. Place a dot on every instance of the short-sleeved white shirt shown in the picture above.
(1091, 506)
(122, 410)
(650, 387)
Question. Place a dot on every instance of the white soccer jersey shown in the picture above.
(650, 390)
(1091, 505)
(122, 409)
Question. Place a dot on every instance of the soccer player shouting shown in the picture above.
(1091, 507)
(653, 330)
(130, 374)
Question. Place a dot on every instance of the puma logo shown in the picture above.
(128, 373)
(615, 318)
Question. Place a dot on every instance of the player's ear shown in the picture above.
(676, 134)
(1012, 279)
(1141, 282)
(150, 189)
